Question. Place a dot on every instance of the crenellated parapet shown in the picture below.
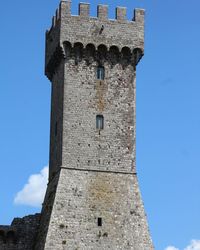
(74, 36)
(64, 10)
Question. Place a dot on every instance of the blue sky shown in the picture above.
(168, 116)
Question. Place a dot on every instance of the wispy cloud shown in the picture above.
(194, 245)
(171, 248)
(34, 190)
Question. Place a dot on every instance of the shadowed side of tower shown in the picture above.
(93, 199)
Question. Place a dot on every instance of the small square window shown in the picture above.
(99, 122)
(100, 73)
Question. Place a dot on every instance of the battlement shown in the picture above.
(96, 31)
(64, 10)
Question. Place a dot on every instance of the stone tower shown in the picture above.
(93, 199)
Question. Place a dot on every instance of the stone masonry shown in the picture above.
(21, 234)
(93, 201)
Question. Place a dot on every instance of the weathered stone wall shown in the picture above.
(84, 196)
(98, 178)
(85, 97)
(21, 234)
(56, 129)
(48, 204)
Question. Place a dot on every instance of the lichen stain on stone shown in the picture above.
(101, 90)
(104, 198)
(102, 193)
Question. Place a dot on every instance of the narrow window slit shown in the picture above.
(99, 222)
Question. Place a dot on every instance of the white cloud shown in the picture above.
(171, 248)
(34, 190)
(194, 245)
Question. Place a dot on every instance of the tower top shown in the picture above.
(119, 33)
(102, 10)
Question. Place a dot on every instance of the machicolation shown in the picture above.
(96, 38)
